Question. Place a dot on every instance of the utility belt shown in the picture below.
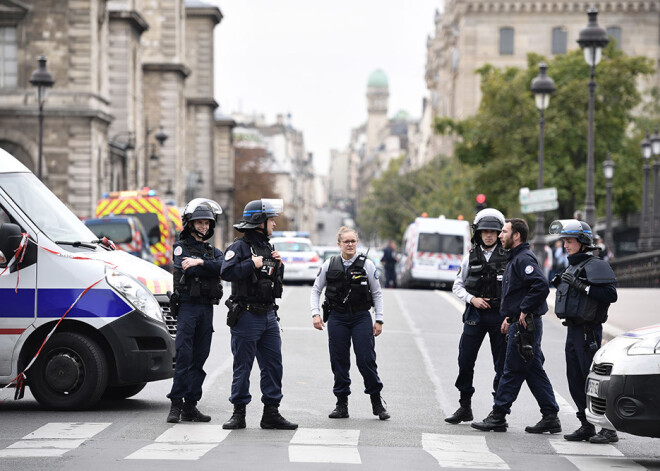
(257, 308)
(198, 300)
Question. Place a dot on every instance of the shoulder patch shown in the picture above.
(529, 269)
(229, 255)
(178, 250)
(376, 273)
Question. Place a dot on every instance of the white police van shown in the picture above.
(78, 320)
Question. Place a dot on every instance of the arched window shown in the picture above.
(559, 40)
(614, 32)
(506, 41)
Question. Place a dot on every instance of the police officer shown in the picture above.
(524, 291)
(585, 290)
(351, 289)
(197, 287)
(479, 285)
(255, 270)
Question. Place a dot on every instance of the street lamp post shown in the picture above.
(592, 40)
(43, 80)
(161, 137)
(655, 225)
(608, 173)
(542, 87)
(644, 229)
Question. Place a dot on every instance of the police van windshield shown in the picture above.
(43, 208)
(440, 243)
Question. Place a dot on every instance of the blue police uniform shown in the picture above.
(257, 332)
(524, 289)
(195, 316)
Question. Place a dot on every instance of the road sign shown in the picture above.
(539, 207)
(537, 196)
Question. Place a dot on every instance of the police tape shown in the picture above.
(19, 252)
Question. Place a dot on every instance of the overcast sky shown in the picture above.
(312, 58)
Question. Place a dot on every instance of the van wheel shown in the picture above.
(115, 393)
(70, 373)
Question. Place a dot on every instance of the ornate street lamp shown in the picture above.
(644, 229)
(655, 227)
(161, 137)
(542, 87)
(608, 173)
(42, 80)
(592, 40)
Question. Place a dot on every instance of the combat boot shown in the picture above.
(175, 411)
(605, 436)
(377, 407)
(584, 433)
(273, 420)
(549, 423)
(191, 413)
(341, 411)
(495, 421)
(237, 419)
(462, 414)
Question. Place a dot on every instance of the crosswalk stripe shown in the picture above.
(83, 430)
(53, 439)
(182, 442)
(602, 463)
(564, 447)
(461, 451)
(325, 446)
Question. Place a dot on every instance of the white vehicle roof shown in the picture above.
(9, 164)
(291, 239)
(451, 226)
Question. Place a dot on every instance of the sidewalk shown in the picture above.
(635, 308)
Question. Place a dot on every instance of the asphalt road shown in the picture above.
(417, 362)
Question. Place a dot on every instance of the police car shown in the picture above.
(301, 262)
(623, 386)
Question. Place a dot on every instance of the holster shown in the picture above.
(326, 310)
(524, 340)
(174, 304)
(235, 311)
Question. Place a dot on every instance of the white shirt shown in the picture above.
(459, 283)
(372, 276)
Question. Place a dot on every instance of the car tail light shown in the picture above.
(315, 258)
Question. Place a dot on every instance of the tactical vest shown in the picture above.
(576, 305)
(484, 278)
(266, 282)
(348, 290)
(198, 287)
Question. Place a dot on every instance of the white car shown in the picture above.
(623, 386)
(301, 262)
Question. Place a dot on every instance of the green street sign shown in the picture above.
(527, 196)
(539, 207)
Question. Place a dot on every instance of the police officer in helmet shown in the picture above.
(255, 270)
(197, 287)
(585, 290)
(479, 285)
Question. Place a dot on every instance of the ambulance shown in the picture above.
(432, 250)
(78, 320)
(160, 220)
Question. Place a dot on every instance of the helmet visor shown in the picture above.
(274, 208)
(566, 228)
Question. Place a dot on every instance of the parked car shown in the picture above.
(624, 383)
(127, 232)
(301, 262)
(327, 251)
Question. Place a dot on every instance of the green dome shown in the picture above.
(377, 79)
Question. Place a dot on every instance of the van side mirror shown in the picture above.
(10, 239)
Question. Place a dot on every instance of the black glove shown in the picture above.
(556, 280)
(570, 279)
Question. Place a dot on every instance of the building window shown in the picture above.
(559, 37)
(8, 57)
(506, 41)
(614, 32)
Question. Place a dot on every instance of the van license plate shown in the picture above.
(592, 387)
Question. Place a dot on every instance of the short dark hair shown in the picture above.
(520, 226)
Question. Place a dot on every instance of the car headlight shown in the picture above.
(135, 293)
(647, 346)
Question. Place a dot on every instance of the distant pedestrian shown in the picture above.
(559, 260)
(389, 262)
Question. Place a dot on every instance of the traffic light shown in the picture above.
(481, 202)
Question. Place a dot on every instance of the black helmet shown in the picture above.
(579, 230)
(200, 208)
(256, 212)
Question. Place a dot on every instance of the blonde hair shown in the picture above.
(343, 230)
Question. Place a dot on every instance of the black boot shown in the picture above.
(273, 420)
(175, 411)
(495, 421)
(341, 411)
(190, 413)
(605, 436)
(549, 423)
(237, 419)
(584, 433)
(377, 407)
(462, 414)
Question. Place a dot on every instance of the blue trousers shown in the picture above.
(257, 335)
(578, 361)
(194, 330)
(468, 349)
(516, 371)
(344, 327)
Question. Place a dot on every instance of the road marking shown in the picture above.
(564, 447)
(601, 463)
(182, 442)
(325, 446)
(451, 299)
(53, 440)
(461, 451)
